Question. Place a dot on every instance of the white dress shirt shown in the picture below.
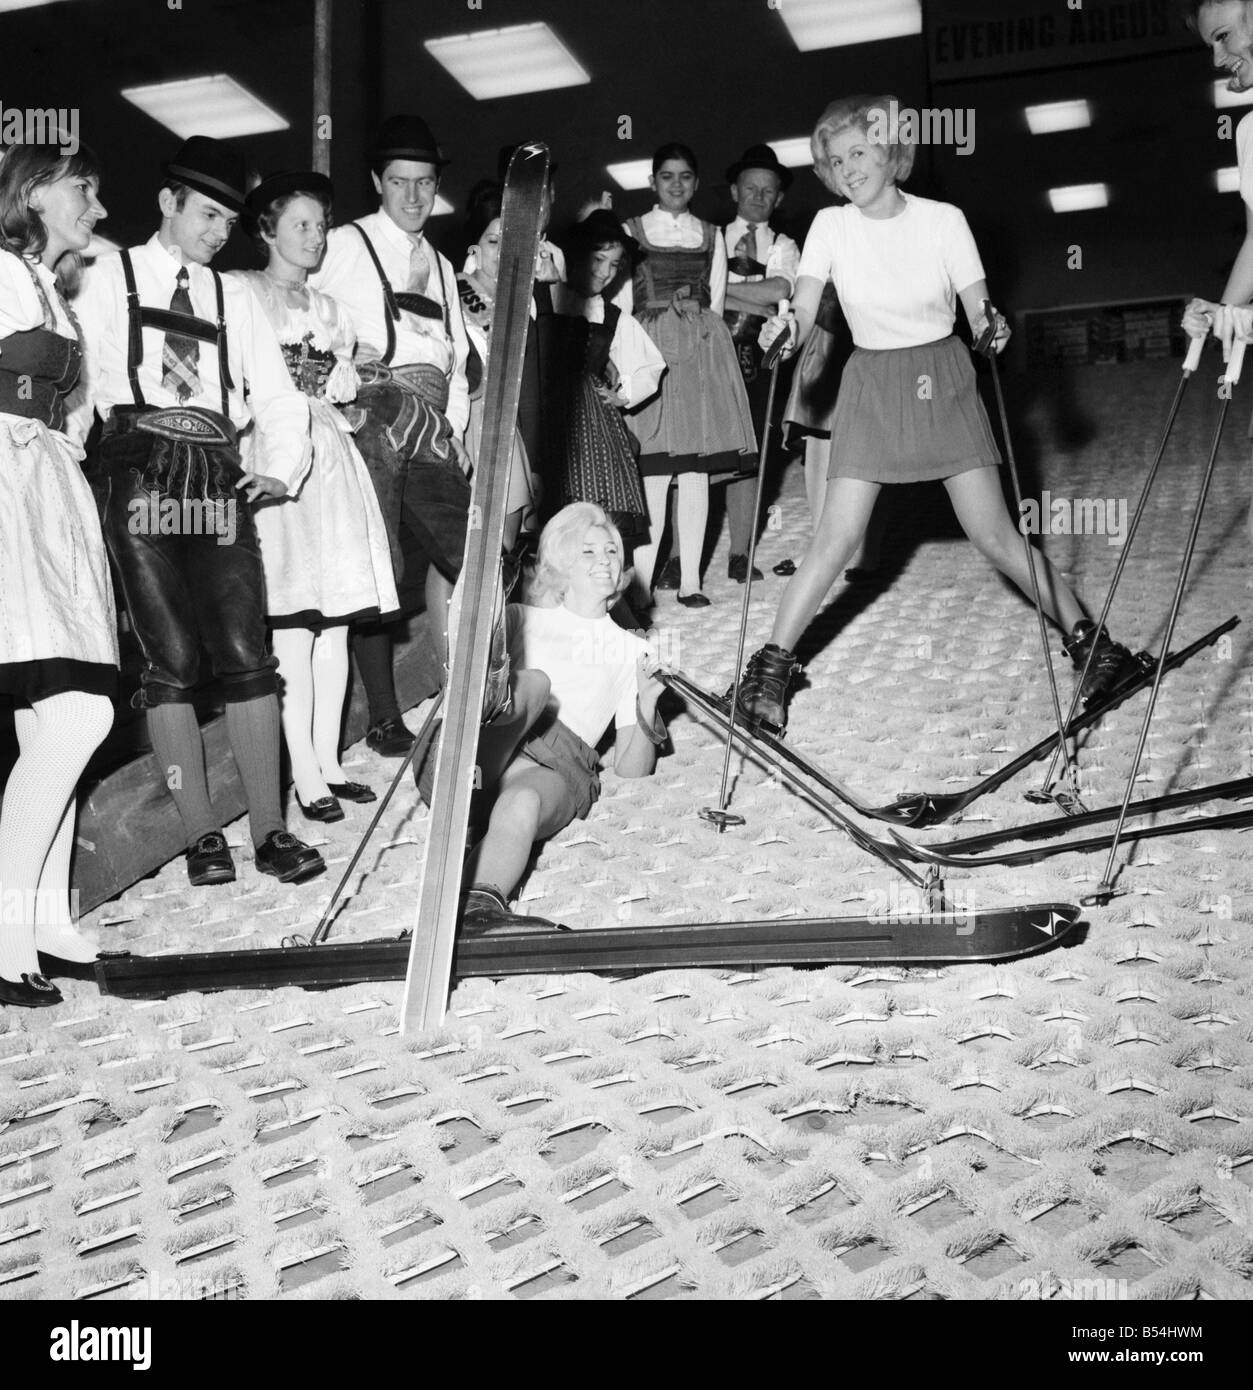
(778, 253)
(664, 229)
(280, 448)
(347, 274)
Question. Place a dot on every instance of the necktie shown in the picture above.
(180, 355)
(746, 247)
(419, 270)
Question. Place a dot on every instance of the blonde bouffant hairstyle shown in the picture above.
(560, 544)
(860, 113)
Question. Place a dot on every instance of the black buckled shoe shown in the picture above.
(352, 791)
(325, 809)
(1112, 663)
(31, 992)
(485, 912)
(737, 569)
(209, 861)
(764, 687)
(670, 574)
(389, 738)
(288, 859)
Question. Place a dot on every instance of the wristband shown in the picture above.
(654, 733)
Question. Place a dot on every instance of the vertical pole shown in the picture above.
(321, 161)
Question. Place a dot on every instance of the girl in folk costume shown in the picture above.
(606, 364)
(476, 286)
(700, 423)
(325, 551)
(58, 628)
(899, 264)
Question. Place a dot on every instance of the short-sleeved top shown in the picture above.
(1244, 157)
(897, 277)
(590, 663)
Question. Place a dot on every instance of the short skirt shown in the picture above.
(907, 415)
(562, 751)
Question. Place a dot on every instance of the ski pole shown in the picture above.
(987, 344)
(1190, 364)
(1105, 889)
(721, 817)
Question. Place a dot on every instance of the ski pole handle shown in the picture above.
(1235, 363)
(775, 350)
(1193, 359)
(983, 343)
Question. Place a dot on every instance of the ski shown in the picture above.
(1059, 825)
(924, 939)
(920, 809)
(435, 923)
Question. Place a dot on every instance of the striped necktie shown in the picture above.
(180, 355)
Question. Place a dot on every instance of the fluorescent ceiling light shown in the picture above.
(835, 23)
(794, 152)
(215, 105)
(442, 206)
(1222, 97)
(1227, 180)
(21, 4)
(635, 173)
(504, 62)
(1058, 115)
(1078, 197)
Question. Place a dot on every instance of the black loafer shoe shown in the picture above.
(669, 576)
(325, 809)
(737, 569)
(209, 861)
(694, 600)
(57, 967)
(486, 913)
(288, 859)
(31, 992)
(351, 791)
(390, 739)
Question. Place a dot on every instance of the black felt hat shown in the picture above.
(211, 167)
(407, 137)
(601, 228)
(280, 185)
(760, 157)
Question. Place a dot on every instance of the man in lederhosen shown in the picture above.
(761, 270)
(401, 295)
(170, 349)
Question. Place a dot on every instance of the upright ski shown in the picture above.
(435, 921)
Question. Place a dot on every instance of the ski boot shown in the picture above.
(764, 687)
(1111, 665)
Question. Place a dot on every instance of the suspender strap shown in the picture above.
(391, 312)
(140, 316)
(135, 332)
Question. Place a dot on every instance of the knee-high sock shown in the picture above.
(179, 750)
(330, 684)
(740, 495)
(373, 649)
(55, 738)
(693, 519)
(253, 729)
(294, 648)
(54, 923)
(645, 558)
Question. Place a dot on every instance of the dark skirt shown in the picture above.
(562, 751)
(28, 681)
(598, 462)
(906, 415)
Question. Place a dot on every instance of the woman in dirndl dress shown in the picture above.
(58, 627)
(700, 423)
(908, 407)
(325, 551)
(604, 364)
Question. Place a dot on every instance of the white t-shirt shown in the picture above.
(1244, 156)
(897, 277)
(590, 663)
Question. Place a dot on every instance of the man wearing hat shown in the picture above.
(761, 269)
(169, 345)
(401, 295)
